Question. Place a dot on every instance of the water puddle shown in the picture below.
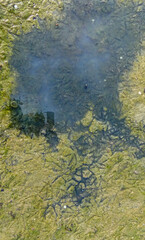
(67, 83)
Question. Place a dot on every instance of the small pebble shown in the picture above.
(16, 6)
(139, 93)
(93, 20)
(121, 57)
(86, 86)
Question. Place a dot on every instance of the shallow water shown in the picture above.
(76, 63)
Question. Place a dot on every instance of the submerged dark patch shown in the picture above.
(68, 68)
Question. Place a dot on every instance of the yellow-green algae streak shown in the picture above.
(26, 177)
(132, 95)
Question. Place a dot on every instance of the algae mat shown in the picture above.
(72, 153)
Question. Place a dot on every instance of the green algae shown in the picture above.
(96, 126)
(86, 121)
(133, 97)
(35, 178)
(30, 181)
